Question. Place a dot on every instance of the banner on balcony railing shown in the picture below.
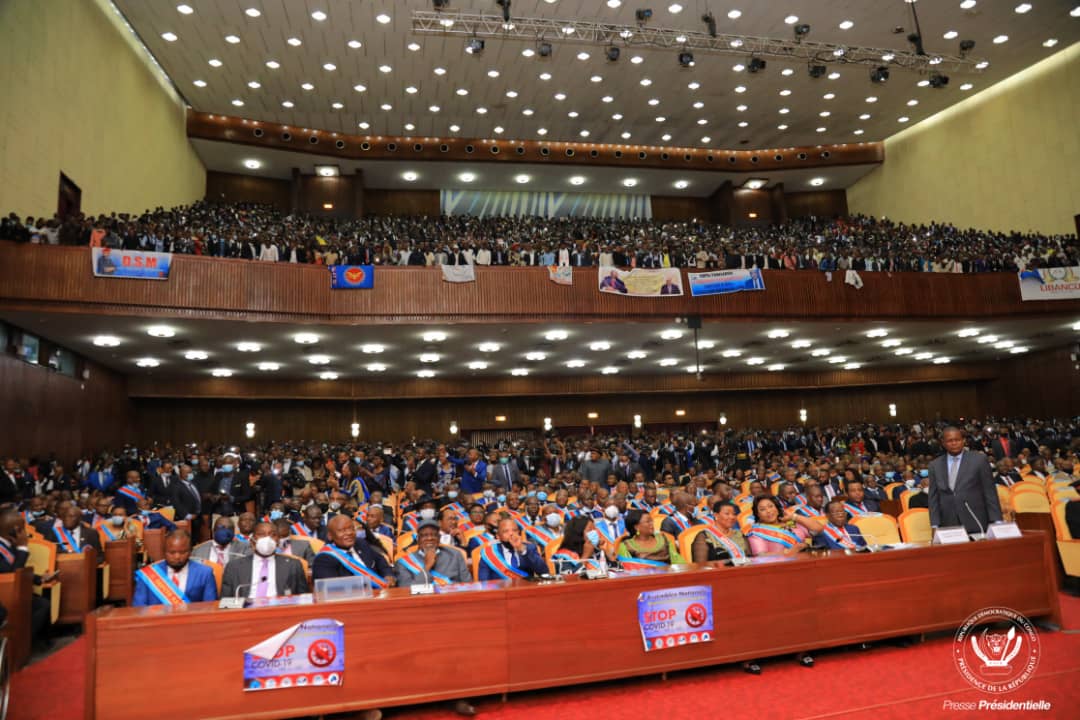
(113, 263)
(486, 203)
(641, 282)
(1061, 283)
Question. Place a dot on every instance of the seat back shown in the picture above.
(219, 571)
(1030, 502)
(474, 563)
(1033, 485)
(915, 525)
(686, 541)
(1004, 498)
(154, 544)
(1060, 526)
(388, 546)
(890, 489)
(878, 529)
(169, 513)
(42, 556)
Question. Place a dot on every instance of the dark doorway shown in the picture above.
(69, 200)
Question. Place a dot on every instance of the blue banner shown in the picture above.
(352, 277)
(675, 616)
(308, 654)
(722, 282)
(113, 263)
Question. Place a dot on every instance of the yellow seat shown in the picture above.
(905, 500)
(1033, 485)
(169, 513)
(1068, 547)
(219, 572)
(775, 487)
(1030, 502)
(388, 546)
(745, 487)
(1004, 498)
(43, 561)
(686, 541)
(915, 526)
(475, 563)
(1066, 493)
(890, 488)
(877, 529)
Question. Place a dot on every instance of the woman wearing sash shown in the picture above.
(646, 546)
(721, 539)
(582, 547)
(779, 532)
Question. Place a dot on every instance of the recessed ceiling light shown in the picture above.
(985, 339)
(168, 37)
(837, 359)
(319, 359)
(434, 336)
(382, 18)
(425, 373)
(625, 135)
(877, 332)
(609, 370)
(636, 354)
(864, 116)
(674, 8)
(951, 35)
(307, 86)
(577, 180)
(439, 71)
(294, 41)
(599, 345)
(629, 182)
(923, 356)
(846, 25)
(413, 46)
(731, 353)
(488, 347)
(430, 357)
(462, 92)
(665, 137)
(554, 335)
(681, 184)
(858, 131)
(184, 9)
(363, 125)
(360, 87)
(221, 372)
(528, 52)
(1023, 8)
(521, 179)
(305, 338)
(478, 365)
(852, 366)
(775, 367)
(660, 118)
(1001, 39)
(385, 69)
(787, 72)
(967, 4)
(161, 331)
(1075, 12)
(671, 334)
(1049, 43)
(214, 62)
(891, 343)
(232, 39)
(252, 164)
(645, 82)
(355, 44)
(755, 361)
(329, 67)
(820, 352)
(799, 344)
(781, 127)
(338, 106)
(1004, 344)
(372, 348)
(824, 113)
(409, 175)
(199, 83)
(535, 356)
(775, 334)
(572, 114)
(148, 362)
(519, 372)
(106, 341)
(387, 107)
(269, 366)
(817, 181)
(583, 56)
(575, 363)
(738, 67)
(668, 362)
(248, 346)
(328, 375)
(902, 351)
(903, 119)
(238, 102)
(968, 332)
(411, 90)
(834, 75)
(1018, 349)
(784, 111)
(541, 131)
(375, 367)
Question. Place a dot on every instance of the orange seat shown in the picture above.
(549, 552)
(686, 541)
(915, 525)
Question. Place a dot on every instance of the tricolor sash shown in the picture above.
(243, 538)
(8, 556)
(131, 493)
(108, 532)
(667, 509)
(66, 538)
(604, 528)
(459, 509)
(640, 563)
(489, 555)
(727, 543)
(855, 510)
(412, 520)
(840, 536)
(355, 566)
(541, 535)
(800, 498)
(807, 511)
(157, 582)
(27, 516)
(682, 524)
(466, 525)
(301, 529)
(415, 565)
(778, 535)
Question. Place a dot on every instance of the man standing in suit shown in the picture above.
(1003, 446)
(962, 488)
(346, 554)
(175, 580)
(267, 573)
(224, 548)
(506, 473)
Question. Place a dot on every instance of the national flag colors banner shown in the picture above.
(1058, 283)
(641, 282)
(458, 273)
(136, 264)
(352, 277)
(561, 274)
(722, 282)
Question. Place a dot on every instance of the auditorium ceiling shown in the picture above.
(360, 67)
(203, 348)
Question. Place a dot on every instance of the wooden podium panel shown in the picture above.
(120, 556)
(403, 649)
(16, 593)
(78, 583)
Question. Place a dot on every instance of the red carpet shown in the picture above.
(882, 683)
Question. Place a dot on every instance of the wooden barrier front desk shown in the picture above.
(403, 649)
(78, 585)
(16, 595)
(120, 556)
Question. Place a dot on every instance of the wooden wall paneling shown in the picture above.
(752, 207)
(403, 202)
(680, 209)
(821, 203)
(1045, 384)
(38, 277)
(316, 191)
(237, 188)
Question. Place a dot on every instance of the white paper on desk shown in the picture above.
(269, 647)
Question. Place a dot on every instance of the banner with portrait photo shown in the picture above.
(1060, 283)
(131, 264)
(641, 282)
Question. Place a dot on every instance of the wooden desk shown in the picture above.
(16, 595)
(120, 555)
(913, 591)
(78, 581)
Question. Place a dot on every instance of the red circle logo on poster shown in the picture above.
(355, 275)
(321, 653)
(696, 615)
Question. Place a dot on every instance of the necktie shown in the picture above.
(264, 583)
(176, 579)
(954, 466)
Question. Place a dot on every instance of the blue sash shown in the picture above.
(778, 535)
(66, 538)
(414, 564)
(8, 556)
(490, 557)
(131, 493)
(356, 567)
(157, 581)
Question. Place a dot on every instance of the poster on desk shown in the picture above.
(675, 616)
(308, 654)
(114, 263)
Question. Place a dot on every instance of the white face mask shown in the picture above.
(427, 514)
(266, 546)
(553, 520)
(611, 512)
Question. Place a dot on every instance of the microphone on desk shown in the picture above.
(873, 545)
(982, 530)
(235, 602)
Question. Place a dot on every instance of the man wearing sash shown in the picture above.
(858, 503)
(839, 534)
(311, 525)
(511, 556)
(129, 495)
(346, 554)
(430, 563)
(175, 580)
(815, 502)
(69, 532)
(682, 515)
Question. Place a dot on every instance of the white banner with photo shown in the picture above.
(1061, 283)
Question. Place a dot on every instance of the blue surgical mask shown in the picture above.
(452, 494)
(227, 468)
(890, 474)
(924, 473)
(223, 535)
(189, 477)
(501, 498)
(553, 520)
(276, 514)
(144, 513)
(358, 459)
(531, 493)
(489, 493)
(593, 537)
(117, 520)
(299, 463)
(504, 460)
(541, 496)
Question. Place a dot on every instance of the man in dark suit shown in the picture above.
(1003, 446)
(14, 552)
(230, 489)
(425, 473)
(267, 573)
(186, 498)
(505, 473)
(511, 556)
(962, 488)
(682, 518)
(162, 485)
(70, 533)
(346, 554)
